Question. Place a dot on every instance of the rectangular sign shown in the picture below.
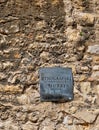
(56, 84)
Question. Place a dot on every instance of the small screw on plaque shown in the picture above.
(56, 84)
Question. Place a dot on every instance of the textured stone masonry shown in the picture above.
(43, 33)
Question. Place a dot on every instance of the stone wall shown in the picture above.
(41, 33)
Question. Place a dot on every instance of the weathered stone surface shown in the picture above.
(85, 87)
(72, 35)
(8, 125)
(47, 124)
(10, 88)
(22, 117)
(33, 117)
(61, 127)
(2, 76)
(48, 127)
(29, 97)
(95, 75)
(96, 68)
(93, 49)
(7, 65)
(82, 78)
(86, 116)
(45, 56)
(96, 59)
(29, 126)
(97, 87)
(67, 120)
(40, 25)
(95, 128)
(85, 68)
(85, 18)
(2, 1)
(38, 33)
